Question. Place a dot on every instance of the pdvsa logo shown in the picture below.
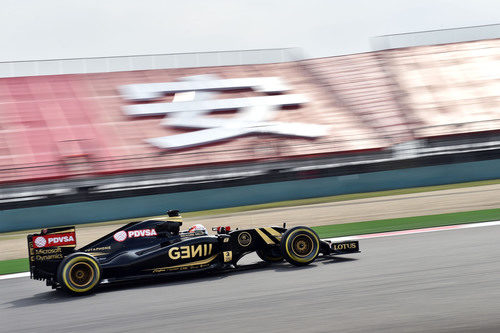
(54, 240)
(40, 241)
(195, 98)
(120, 236)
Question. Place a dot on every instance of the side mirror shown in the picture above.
(222, 230)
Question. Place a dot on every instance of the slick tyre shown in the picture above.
(270, 254)
(79, 273)
(300, 246)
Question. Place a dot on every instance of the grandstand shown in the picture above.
(72, 126)
(363, 86)
(68, 125)
(452, 88)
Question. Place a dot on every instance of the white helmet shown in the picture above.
(198, 229)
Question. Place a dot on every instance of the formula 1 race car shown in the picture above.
(157, 247)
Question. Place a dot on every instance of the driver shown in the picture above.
(198, 230)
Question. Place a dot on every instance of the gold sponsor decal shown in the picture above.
(273, 232)
(43, 254)
(48, 257)
(99, 249)
(178, 269)
(43, 251)
(228, 256)
(264, 237)
(244, 239)
(344, 246)
(190, 251)
(97, 253)
(193, 265)
(31, 251)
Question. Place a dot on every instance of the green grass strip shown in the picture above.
(14, 266)
(405, 223)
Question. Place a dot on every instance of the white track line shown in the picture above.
(356, 237)
(14, 276)
(416, 231)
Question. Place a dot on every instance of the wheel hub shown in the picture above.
(303, 245)
(81, 274)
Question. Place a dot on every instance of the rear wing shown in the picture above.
(47, 249)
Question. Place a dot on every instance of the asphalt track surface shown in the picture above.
(447, 281)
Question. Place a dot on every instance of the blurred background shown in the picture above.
(373, 96)
(359, 117)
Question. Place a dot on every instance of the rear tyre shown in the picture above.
(270, 254)
(79, 273)
(300, 246)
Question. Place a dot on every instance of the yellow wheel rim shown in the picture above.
(302, 245)
(304, 255)
(71, 275)
(81, 274)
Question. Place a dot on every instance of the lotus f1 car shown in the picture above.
(157, 247)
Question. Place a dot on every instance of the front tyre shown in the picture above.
(300, 246)
(79, 273)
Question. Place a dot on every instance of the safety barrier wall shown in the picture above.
(131, 207)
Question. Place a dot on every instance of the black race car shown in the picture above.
(157, 247)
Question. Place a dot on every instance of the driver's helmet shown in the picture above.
(198, 229)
